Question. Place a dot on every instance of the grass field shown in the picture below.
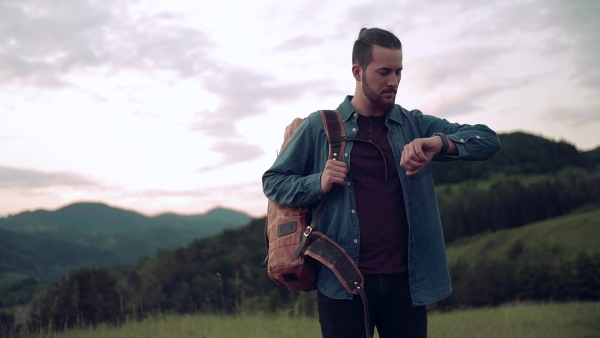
(519, 320)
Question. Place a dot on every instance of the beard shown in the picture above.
(376, 100)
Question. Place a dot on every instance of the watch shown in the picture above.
(445, 143)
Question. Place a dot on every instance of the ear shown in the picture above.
(356, 72)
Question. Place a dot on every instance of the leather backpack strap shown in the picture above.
(333, 256)
(336, 135)
(334, 129)
(321, 247)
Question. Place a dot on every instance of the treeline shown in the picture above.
(526, 272)
(521, 154)
(511, 202)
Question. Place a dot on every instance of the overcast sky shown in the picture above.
(180, 105)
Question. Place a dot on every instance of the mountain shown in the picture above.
(35, 255)
(98, 217)
(113, 235)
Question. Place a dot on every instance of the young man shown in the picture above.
(389, 224)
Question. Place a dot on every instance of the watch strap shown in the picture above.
(445, 143)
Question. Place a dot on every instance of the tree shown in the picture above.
(86, 296)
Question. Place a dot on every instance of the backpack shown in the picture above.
(294, 247)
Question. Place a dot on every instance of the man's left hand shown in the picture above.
(419, 152)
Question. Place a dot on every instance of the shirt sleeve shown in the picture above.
(292, 180)
(474, 142)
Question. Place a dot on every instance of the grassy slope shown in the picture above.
(578, 232)
(520, 320)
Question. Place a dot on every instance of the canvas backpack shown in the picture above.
(294, 247)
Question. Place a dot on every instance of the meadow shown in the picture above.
(516, 320)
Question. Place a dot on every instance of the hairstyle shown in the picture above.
(362, 52)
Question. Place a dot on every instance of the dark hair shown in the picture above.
(362, 52)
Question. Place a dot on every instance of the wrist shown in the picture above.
(445, 143)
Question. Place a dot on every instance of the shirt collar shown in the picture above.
(347, 110)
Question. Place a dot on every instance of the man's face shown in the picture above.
(381, 78)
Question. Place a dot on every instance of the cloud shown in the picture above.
(460, 100)
(234, 152)
(460, 66)
(549, 28)
(43, 42)
(573, 116)
(25, 178)
(300, 42)
(244, 93)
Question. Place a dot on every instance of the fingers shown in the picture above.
(334, 173)
(415, 156)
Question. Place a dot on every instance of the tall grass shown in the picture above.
(518, 320)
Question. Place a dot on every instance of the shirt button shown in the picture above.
(355, 240)
(353, 211)
(345, 154)
(478, 137)
(347, 183)
(462, 140)
(353, 129)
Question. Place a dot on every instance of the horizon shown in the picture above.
(149, 215)
(158, 106)
(258, 213)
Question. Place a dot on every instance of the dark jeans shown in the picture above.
(390, 310)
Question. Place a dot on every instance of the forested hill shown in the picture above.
(99, 217)
(521, 153)
(530, 179)
(127, 235)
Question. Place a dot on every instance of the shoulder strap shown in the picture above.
(320, 247)
(334, 129)
(336, 135)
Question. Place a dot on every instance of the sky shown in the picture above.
(180, 106)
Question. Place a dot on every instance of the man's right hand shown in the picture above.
(334, 173)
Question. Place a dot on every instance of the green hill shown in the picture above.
(554, 260)
(47, 244)
(521, 153)
(85, 218)
(574, 234)
(34, 255)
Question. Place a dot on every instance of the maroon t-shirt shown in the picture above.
(380, 205)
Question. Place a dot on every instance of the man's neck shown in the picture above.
(363, 107)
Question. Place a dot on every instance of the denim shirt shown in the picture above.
(294, 180)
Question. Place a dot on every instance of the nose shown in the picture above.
(394, 79)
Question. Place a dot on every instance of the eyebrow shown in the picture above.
(389, 69)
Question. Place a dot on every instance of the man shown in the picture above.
(389, 224)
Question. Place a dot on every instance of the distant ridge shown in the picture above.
(96, 234)
(95, 216)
